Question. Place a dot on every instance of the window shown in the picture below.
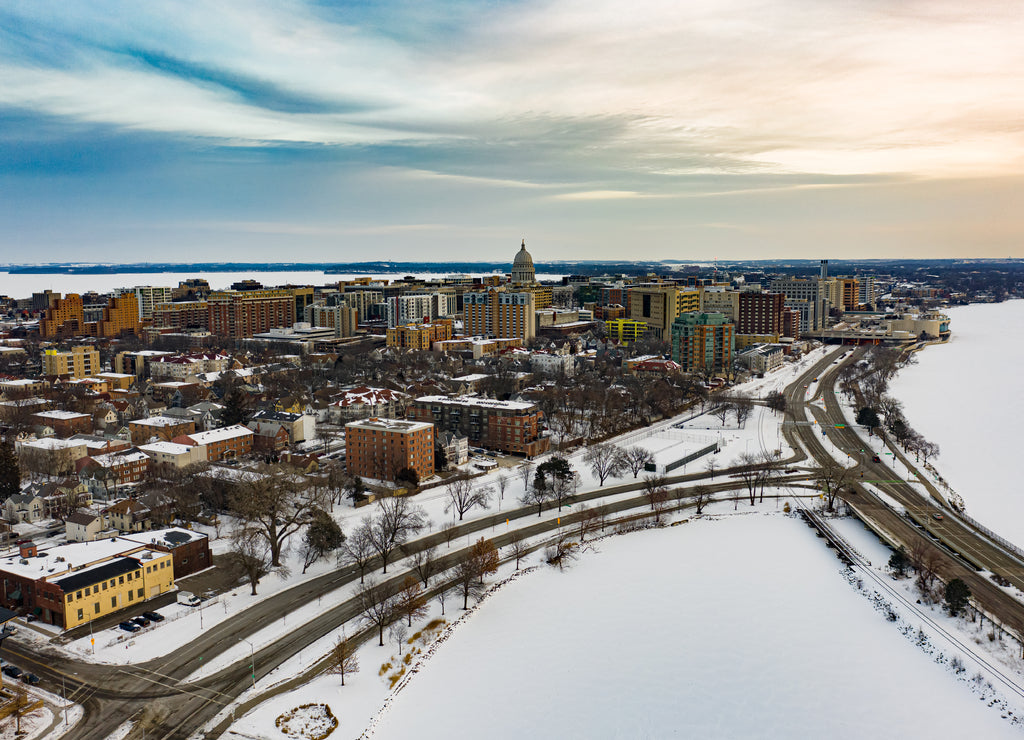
(81, 614)
(121, 580)
(131, 595)
(96, 608)
(104, 585)
(113, 602)
(140, 593)
(70, 596)
(78, 595)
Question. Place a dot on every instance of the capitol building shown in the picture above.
(522, 267)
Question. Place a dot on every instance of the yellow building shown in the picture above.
(80, 362)
(500, 314)
(625, 331)
(63, 315)
(746, 340)
(659, 305)
(121, 316)
(420, 336)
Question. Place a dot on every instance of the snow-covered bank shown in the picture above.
(963, 397)
(630, 643)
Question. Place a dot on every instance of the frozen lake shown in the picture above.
(740, 628)
(23, 286)
(964, 397)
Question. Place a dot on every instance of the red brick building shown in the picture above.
(508, 426)
(380, 448)
(760, 313)
(220, 444)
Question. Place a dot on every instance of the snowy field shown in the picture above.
(961, 396)
(627, 645)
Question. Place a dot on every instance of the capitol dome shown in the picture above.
(522, 266)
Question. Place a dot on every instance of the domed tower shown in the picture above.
(522, 266)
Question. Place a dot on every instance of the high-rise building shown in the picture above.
(121, 316)
(408, 309)
(720, 300)
(182, 315)
(703, 342)
(63, 316)
(381, 448)
(866, 290)
(149, 297)
(760, 313)
(814, 291)
(658, 306)
(343, 319)
(499, 313)
(80, 362)
(241, 314)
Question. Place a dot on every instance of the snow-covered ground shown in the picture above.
(962, 396)
(769, 640)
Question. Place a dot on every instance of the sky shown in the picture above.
(290, 130)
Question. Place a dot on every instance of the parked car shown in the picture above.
(141, 621)
(12, 670)
(30, 678)
(129, 626)
(938, 516)
(188, 599)
(153, 616)
(876, 458)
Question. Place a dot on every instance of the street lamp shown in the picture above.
(252, 655)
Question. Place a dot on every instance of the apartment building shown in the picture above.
(721, 300)
(408, 309)
(64, 423)
(64, 316)
(149, 297)
(179, 367)
(182, 315)
(703, 342)
(79, 362)
(381, 448)
(340, 317)
(499, 313)
(164, 428)
(508, 426)
(760, 313)
(242, 314)
(226, 443)
(420, 336)
(120, 316)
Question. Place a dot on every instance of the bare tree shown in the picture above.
(742, 406)
(637, 458)
(831, 477)
(605, 461)
(411, 601)
(525, 472)
(276, 503)
(462, 495)
(343, 658)
(701, 498)
(535, 496)
(377, 604)
(397, 633)
(441, 596)
(711, 465)
(358, 547)
(250, 553)
(396, 521)
(562, 552)
(722, 411)
(656, 494)
(776, 401)
(750, 473)
(424, 564)
(449, 530)
(517, 547)
(502, 483)
(467, 579)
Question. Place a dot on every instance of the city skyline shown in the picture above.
(346, 132)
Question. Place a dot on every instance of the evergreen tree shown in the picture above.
(236, 407)
(899, 561)
(957, 595)
(868, 417)
(10, 472)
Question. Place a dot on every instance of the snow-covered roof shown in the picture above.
(394, 425)
(369, 396)
(220, 435)
(64, 415)
(53, 443)
(111, 459)
(166, 448)
(489, 403)
(159, 421)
